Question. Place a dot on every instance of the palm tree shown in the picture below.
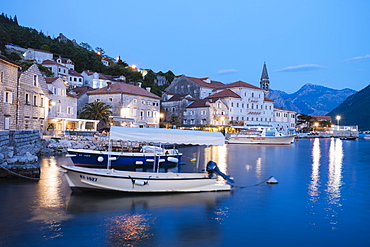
(97, 111)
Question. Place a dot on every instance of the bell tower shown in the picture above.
(265, 82)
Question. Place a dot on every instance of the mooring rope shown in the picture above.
(17, 174)
(245, 186)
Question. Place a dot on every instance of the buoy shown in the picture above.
(100, 159)
(193, 160)
(272, 180)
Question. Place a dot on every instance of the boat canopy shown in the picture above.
(167, 136)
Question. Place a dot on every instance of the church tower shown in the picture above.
(265, 82)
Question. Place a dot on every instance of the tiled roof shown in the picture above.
(223, 94)
(74, 73)
(50, 79)
(201, 82)
(82, 90)
(199, 103)
(72, 95)
(241, 84)
(177, 97)
(267, 99)
(50, 62)
(125, 89)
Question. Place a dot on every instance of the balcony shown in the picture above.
(253, 99)
(254, 111)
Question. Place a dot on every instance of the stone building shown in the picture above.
(61, 103)
(132, 105)
(206, 112)
(173, 106)
(8, 94)
(82, 97)
(33, 100)
(199, 88)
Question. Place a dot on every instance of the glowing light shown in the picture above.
(338, 119)
(133, 66)
(315, 175)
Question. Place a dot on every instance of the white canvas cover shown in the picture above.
(171, 136)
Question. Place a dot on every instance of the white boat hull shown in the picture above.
(125, 181)
(268, 140)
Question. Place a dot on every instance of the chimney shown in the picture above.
(148, 89)
(109, 83)
(139, 84)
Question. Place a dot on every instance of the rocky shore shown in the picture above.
(25, 162)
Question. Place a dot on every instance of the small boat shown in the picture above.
(83, 178)
(145, 158)
(259, 135)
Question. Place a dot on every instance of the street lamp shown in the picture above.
(338, 119)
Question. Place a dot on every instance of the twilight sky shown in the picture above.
(307, 41)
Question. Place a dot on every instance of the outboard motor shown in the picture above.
(212, 169)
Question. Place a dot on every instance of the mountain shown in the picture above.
(355, 110)
(311, 99)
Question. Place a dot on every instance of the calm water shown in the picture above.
(322, 199)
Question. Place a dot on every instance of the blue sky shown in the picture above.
(319, 42)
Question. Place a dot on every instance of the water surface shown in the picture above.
(322, 199)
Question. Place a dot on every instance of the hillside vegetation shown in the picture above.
(83, 55)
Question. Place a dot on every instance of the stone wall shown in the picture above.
(18, 150)
(19, 139)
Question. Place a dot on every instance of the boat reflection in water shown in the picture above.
(327, 160)
(133, 220)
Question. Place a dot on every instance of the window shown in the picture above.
(97, 100)
(59, 109)
(203, 112)
(35, 100)
(8, 97)
(69, 110)
(110, 99)
(75, 79)
(35, 79)
(135, 101)
(42, 101)
(27, 99)
(218, 105)
(2, 76)
(80, 80)
(7, 123)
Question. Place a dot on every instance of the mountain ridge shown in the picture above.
(311, 99)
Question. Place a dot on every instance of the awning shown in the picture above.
(167, 136)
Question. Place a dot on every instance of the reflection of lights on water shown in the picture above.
(219, 155)
(335, 170)
(221, 213)
(129, 230)
(259, 166)
(335, 154)
(315, 176)
(48, 200)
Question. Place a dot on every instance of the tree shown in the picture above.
(97, 111)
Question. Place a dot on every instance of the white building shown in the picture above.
(284, 120)
(58, 69)
(135, 106)
(65, 62)
(95, 79)
(39, 56)
(246, 103)
(75, 79)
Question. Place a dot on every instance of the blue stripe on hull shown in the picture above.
(121, 162)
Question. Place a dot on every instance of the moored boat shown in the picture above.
(134, 181)
(259, 135)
